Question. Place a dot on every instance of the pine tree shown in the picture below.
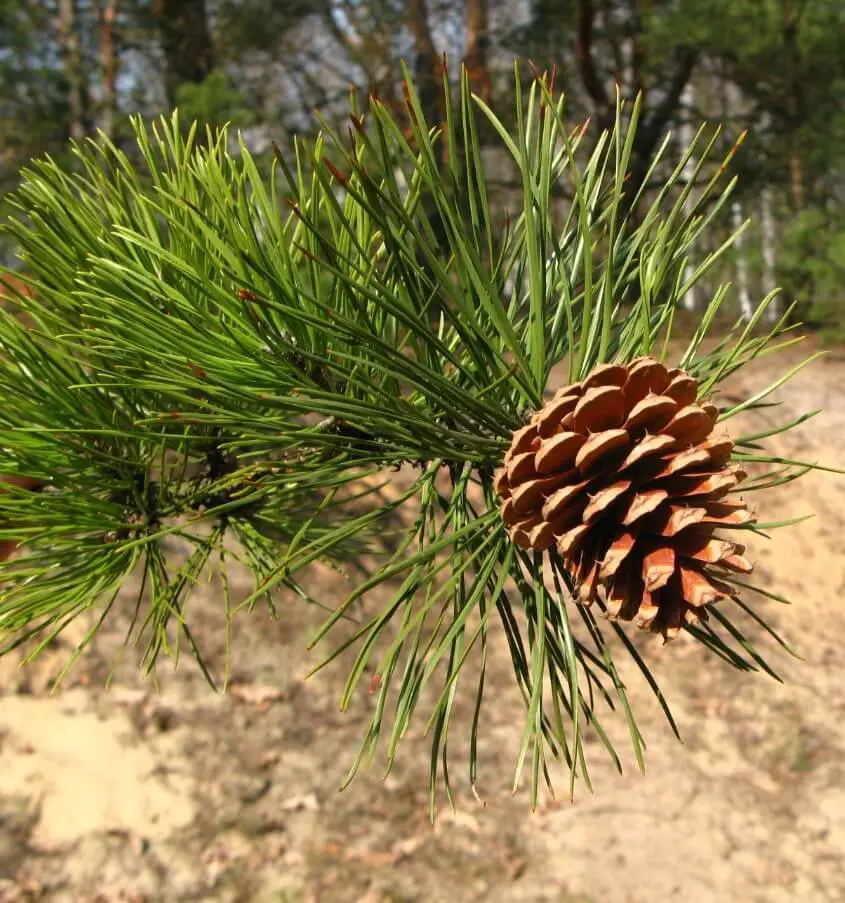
(238, 361)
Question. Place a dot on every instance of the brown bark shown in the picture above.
(10, 285)
(71, 52)
(105, 12)
(185, 43)
(655, 117)
(427, 65)
(796, 179)
(584, 51)
(477, 45)
(658, 117)
(638, 53)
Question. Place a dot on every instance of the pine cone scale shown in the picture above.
(564, 498)
(601, 501)
(652, 414)
(647, 448)
(683, 389)
(642, 504)
(558, 452)
(602, 450)
(601, 408)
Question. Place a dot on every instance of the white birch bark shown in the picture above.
(768, 240)
(746, 309)
(686, 133)
(733, 101)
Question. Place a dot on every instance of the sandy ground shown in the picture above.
(172, 793)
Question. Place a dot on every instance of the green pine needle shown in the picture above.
(228, 357)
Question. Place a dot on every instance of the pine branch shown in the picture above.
(237, 361)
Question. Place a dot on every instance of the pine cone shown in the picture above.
(622, 472)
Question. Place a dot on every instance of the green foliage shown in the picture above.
(214, 101)
(257, 25)
(33, 115)
(787, 61)
(33, 92)
(812, 269)
(229, 359)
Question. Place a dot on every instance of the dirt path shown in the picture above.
(177, 794)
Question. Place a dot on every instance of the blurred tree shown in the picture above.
(105, 14)
(70, 46)
(68, 67)
(185, 43)
(596, 46)
(812, 268)
(787, 58)
(214, 100)
(33, 89)
(476, 56)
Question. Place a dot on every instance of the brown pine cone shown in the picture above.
(623, 473)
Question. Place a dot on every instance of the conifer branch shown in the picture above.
(237, 360)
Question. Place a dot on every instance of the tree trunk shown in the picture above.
(427, 69)
(185, 43)
(746, 309)
(657, 114)
(477, 46)
(796, 178)
(71, 52)
(733, 107)
(795, 100)
(768, 240)
(105, 11)
(686, 134)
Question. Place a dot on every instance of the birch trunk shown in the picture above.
(768, 241)
(686, 134)
(734, 108)
(746, 309)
